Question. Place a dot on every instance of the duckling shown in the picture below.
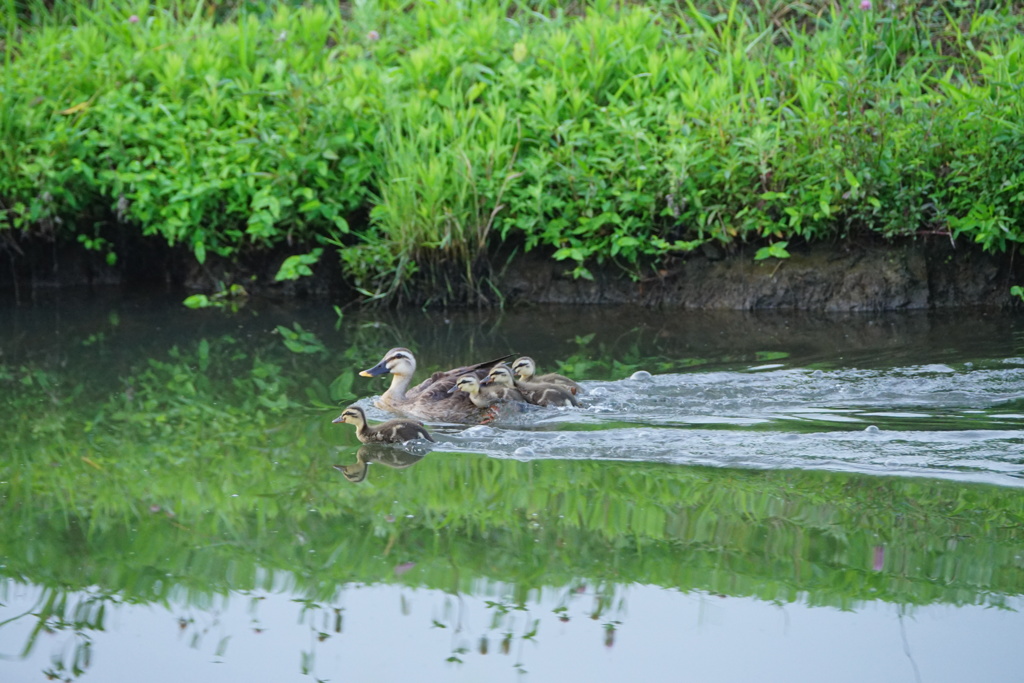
(524, 367)
(393, 431)
(536, 393)
(430, 399)
(486, 395)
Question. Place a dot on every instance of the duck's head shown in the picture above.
(500, 375)
(398, 361)
(468, 383)
(524, 367)
(353, 415)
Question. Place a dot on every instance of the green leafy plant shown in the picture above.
(773, 250)
(622, 135)
(298, 265)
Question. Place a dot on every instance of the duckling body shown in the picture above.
(431, 399)
(533, 392)
(485, 395)
(548, 394)
(398, 430)
(525, 368)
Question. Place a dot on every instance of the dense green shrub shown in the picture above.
(608, 132)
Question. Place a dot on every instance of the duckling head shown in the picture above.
(501, 375)
(397, 361)
(524, 367)
(468, 383)
(353, 415)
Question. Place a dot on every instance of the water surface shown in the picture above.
(809, 497)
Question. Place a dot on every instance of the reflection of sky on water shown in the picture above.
(394, 633)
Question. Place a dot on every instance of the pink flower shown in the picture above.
(865, 5)
(133, 19)
(373, 35)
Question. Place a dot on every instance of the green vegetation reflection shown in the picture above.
(212, 470)
(221, 457)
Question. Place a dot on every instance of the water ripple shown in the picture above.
(932, 420)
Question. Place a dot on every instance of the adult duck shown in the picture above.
(430, 399)
(525, 370)
(534, 392)
(398, 430)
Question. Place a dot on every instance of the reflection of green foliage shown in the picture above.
(600, 360)
(299, 340)
(205, 471)
(232, 298)
(215, 444)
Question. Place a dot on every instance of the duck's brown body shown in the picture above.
(398, 430)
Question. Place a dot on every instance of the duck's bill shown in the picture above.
(455, 387)
(378, 369)
(340, 418)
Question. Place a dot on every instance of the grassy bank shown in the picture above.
(415, 141)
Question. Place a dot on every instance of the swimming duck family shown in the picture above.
(431, 399)
(465, 394)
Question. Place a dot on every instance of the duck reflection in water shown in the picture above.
(389, 456)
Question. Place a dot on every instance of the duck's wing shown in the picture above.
(438, 384)
(430, 391)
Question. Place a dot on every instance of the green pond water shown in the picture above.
(785, 497)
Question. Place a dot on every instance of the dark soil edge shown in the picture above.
(820, 277)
